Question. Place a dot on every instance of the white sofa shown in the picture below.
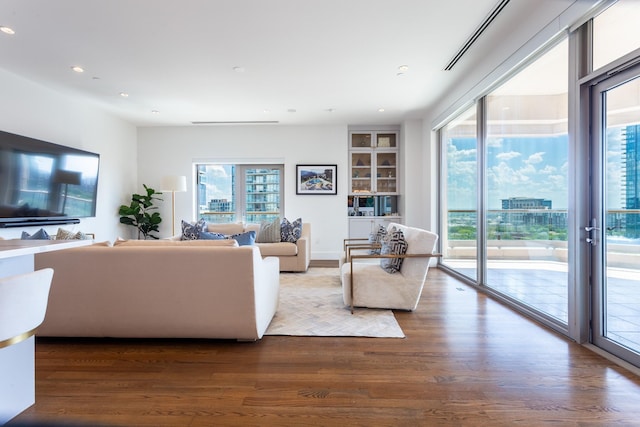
(293, 257)
(161, 289)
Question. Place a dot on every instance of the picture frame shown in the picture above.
(317, 179)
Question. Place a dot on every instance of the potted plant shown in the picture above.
(139, 215)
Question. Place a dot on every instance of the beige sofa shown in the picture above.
(293, 256)
(161, 289)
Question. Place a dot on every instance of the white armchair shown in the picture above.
(366, 284)
(23, 303)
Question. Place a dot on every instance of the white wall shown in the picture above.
(35, 111)
(415, 176)
(174, 150)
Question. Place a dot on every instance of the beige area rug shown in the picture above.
(311, 305)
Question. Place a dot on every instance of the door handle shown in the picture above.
(591, 229)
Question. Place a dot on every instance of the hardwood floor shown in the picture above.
(466, 361)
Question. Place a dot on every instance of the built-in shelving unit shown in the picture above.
(373, 179)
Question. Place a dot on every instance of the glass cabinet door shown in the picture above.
(374, 158)
(386, 172)
(361, 169)
(361, 140)
(386, 140)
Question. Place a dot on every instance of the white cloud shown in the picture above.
(508, 155)
(535, 158)
(548, 170)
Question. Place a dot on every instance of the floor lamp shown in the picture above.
(66, 177)
(174, 184)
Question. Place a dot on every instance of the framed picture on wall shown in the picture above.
(316, 179)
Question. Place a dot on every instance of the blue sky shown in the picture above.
(516, 167)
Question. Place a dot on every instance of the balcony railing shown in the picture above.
(538, 234)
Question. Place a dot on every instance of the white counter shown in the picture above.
(17, 362)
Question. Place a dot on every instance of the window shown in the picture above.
(527, 155)
(239, 193)
(458, 203)
(616, 32)
(523, 213)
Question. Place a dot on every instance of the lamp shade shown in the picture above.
(174, 183)
(68, 177)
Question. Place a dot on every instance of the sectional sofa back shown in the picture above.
(158, 291)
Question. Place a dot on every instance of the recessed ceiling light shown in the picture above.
(77, 69)
(380, 110)
(155, 112)
(238, 69)
(403, 68)
(124, 94)
(7, 30)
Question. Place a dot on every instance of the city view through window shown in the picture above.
(505, 169)
(239, 193)
(525, 153)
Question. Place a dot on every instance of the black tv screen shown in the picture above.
(42, 182)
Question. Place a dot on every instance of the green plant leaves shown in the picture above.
(138, 214)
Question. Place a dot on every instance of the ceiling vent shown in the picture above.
(485, 24)
(239, 122)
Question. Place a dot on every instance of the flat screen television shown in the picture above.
(42, 183)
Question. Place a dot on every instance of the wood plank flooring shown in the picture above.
(466, 361)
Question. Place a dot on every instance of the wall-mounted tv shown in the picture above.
(42, 183)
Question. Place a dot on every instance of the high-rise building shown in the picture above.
(525, 203)
(631, 177)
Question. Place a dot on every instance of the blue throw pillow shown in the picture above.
(38, 235)
(208, 235)
(247, 238)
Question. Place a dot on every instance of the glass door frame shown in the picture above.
(598, 211)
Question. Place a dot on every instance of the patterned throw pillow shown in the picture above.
(63, 234)
(393, 244)
(38, 235)
(377, 237)
(269, 232)
(290, 231)
(192, 231)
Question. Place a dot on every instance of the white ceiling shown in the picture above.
(303, 61)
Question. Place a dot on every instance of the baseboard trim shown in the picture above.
(324, 263)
